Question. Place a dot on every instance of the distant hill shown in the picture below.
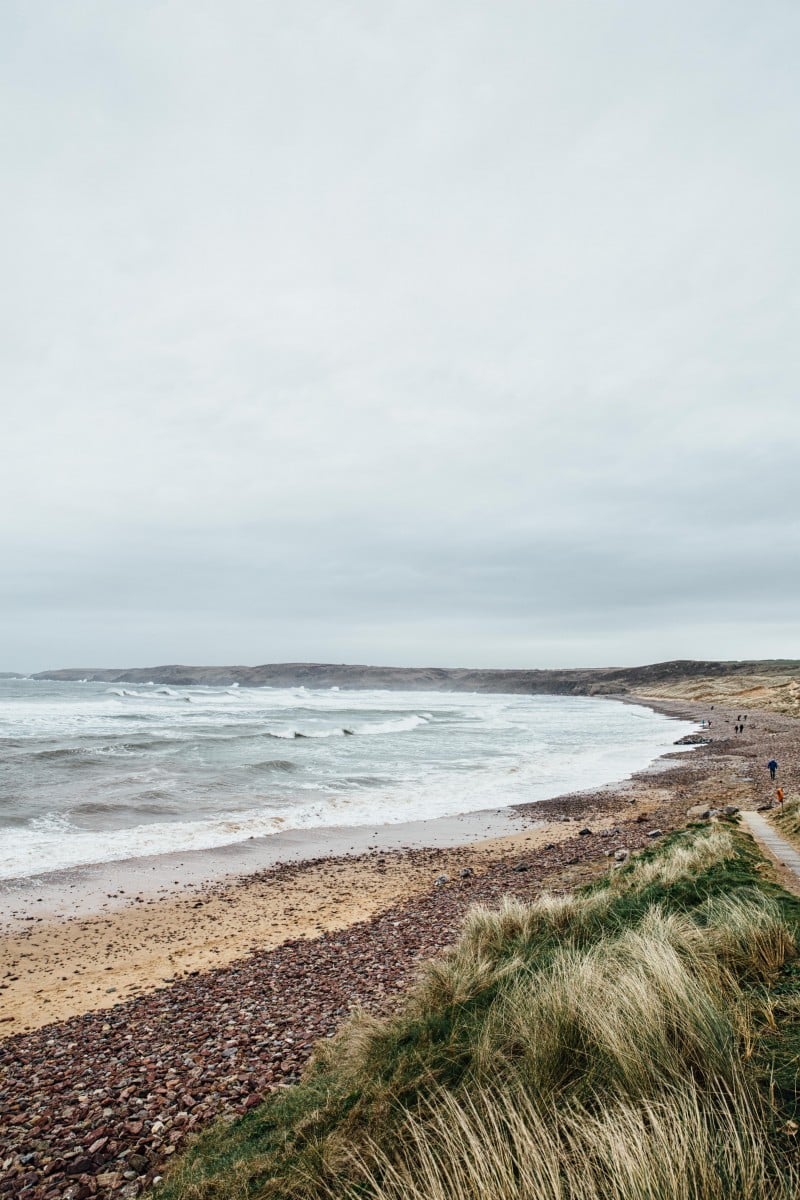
(568, 681)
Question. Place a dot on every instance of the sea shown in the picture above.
(92, 773)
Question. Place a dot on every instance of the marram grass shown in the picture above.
(638, 1040)
(787, 819)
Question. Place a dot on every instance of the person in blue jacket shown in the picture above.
(772, 767)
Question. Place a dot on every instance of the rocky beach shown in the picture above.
(117, 1047)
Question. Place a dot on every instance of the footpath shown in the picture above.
(777, 847)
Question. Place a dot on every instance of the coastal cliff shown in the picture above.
(590, 681)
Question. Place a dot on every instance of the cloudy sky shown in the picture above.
(399, 332)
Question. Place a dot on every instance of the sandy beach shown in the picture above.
(128, 1026)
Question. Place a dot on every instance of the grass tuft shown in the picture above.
(637, 1040)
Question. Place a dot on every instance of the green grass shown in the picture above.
(637, 1040)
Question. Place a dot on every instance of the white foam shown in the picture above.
(400, 725)
(476, 752)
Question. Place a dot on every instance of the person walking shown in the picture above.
(772, 767)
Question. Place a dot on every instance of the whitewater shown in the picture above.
(93, 773)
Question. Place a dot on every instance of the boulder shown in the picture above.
(699, 812)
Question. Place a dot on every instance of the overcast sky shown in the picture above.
(393, 332)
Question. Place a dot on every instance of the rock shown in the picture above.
(620, 855)
(466, 873)
(585, 832)
(654, 833)
(522, 867)
(730, 810)
(441, 880)
(698, 812)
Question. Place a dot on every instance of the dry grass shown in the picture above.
(600, 1046)
(787, 819)
(503, 1146)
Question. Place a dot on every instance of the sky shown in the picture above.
(414, 333)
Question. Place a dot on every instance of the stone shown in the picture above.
(620, 855)
(466, 873)
(730, 810)
(441, 880)
(655, 833)
(522, 867)
(698, 812)
(585, 832)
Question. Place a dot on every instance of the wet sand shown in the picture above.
(55, 967)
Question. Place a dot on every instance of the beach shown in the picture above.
(127, 1028)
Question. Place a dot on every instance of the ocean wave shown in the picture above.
(130, 694)
(203, 779)
(398, 725)
(61, 753)
(289, 735)
(91, 807)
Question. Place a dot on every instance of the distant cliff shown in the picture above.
(573, 681)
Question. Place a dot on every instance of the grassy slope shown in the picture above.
(787, 820)
(771, 690)
(639, 1039)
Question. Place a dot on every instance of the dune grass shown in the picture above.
(637, 1040)
(787, 820)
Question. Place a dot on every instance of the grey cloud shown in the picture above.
(343, 331)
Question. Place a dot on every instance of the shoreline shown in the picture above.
(102, 1100)
(104, 887)
(85, 939)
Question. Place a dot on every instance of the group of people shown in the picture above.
(772, 765)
